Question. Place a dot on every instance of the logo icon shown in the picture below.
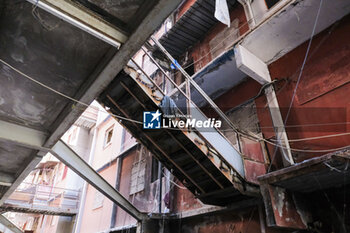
(151, 120)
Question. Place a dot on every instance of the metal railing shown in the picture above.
(187, 93)
(44, 197)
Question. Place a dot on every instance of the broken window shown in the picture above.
(108, 136)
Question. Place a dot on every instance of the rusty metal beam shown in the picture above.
(198, 163)
(201, 144)
(177, 141)
(155, 145)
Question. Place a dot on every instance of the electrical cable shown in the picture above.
(297, 84)
(304, 62)
(174, 183)
(292, 77)
(318, 137)
(64, 95)
(139, 122)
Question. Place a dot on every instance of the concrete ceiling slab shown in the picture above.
(12, 157)
(292, 26)
(61, 57)
(123, 9)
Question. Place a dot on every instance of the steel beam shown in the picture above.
(8, 224)
(64, 153)
(150, 23)
(77, 16)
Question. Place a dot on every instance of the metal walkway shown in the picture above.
(42, 199)
(206, 163)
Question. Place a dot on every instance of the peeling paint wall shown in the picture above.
(243, 221)
(322, 103)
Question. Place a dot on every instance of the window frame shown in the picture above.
(105, 142)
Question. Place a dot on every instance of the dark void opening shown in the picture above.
(271, 3)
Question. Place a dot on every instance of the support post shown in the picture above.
(258, 70)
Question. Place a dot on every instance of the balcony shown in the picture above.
(43, 199)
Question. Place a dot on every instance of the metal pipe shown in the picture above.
(247, 6)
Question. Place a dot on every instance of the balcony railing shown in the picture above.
(44, 198)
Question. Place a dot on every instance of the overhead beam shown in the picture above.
(258, 70)
(10, 225)
(21, 135)
(6, 179)
(83, 19)
(64, 153)
(26, 137)
(252, 65)
(144, 30)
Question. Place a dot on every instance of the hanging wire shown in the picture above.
(139, 122)
(43, 23)
(298, 81)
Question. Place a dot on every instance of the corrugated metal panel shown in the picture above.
(191, 27)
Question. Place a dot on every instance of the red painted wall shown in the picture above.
(246, 221)
(323, 93)
(184, 200)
